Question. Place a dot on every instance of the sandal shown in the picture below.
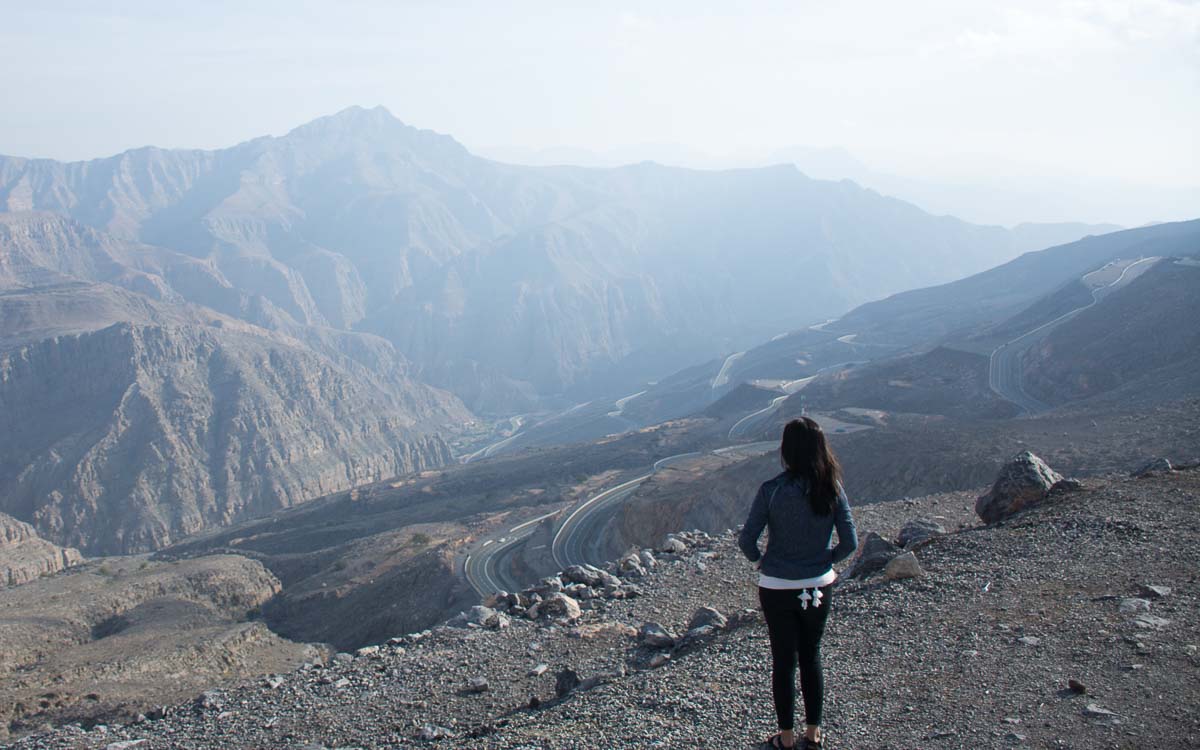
(776, 741)
(808, 744)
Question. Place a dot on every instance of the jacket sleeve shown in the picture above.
(847, 534)
(752, 529)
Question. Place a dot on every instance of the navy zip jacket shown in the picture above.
(798, 545)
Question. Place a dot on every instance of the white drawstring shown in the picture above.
(805, 597)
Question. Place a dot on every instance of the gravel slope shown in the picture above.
(975, 653)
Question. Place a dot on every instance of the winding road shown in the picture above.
(486, 567)
(1005, 364)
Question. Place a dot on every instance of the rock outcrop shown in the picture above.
(25, 556)
(1023, 481)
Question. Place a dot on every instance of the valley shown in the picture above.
(300, 422)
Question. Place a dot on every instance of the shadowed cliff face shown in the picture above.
(128, 438)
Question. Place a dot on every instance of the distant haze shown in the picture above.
(1004, 112)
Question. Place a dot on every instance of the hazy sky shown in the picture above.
(931, 88)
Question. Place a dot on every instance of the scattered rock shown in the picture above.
(1077, 687)
(539, 670)
(709, 616)
(565, 682)
(1029, 640)
(917, 531)
(555, 606)
(1023, 481)
(430, 732)
(674, 546)
(1153, 466)
(589, 575)
(1131, 605)
(1151, 622)
(653, 635)
(125, 744)
(658, 660)
(477, 684)
(1154, 592)
(1095, 711)
(367, 651)
(875, 554)
(904, 565)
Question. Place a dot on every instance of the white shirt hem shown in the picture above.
(787, 584)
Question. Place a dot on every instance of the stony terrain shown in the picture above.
(1072, 624)
(25, 556)
(123, 636)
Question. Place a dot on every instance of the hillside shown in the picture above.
(994, 295)
(978, 651)
(1142, 337)
(130, 437)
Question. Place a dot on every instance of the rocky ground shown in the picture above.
(113, 638)
(1071, 624)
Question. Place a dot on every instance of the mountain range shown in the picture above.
(505, 283)
(189, 338)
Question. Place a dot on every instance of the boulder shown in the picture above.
(1154, 466)
(1150, 591)
(674, 546)
(630, 564)
(919, 530)
(653, 635)
(648, 559)
(708, 616)
(904, 565)
(1023, 481)
(555, 606)
(565, 682)
(875, 554)
(546, 586)
(589, 575)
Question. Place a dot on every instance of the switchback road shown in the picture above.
(1005, 365)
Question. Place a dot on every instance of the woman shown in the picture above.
(801, 507)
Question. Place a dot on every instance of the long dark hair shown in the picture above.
(805, 453)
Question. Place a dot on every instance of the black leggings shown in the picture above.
(796, 634)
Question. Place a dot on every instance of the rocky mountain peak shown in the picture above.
(376, 126)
